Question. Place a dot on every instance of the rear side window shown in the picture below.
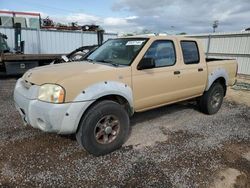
(190, 52)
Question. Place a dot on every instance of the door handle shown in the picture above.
(177, 72)
(200, 69)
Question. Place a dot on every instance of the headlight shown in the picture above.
(51, 93)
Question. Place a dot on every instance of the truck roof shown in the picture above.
(159, 36)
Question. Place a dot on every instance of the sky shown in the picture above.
(135, 16)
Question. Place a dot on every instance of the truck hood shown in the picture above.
(58, 72)
(75, 77)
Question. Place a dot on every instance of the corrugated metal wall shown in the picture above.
(50, 42)
(219, 45)
(229, 45)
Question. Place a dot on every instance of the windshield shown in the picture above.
(118, 51)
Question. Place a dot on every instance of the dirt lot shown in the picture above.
(174, 146)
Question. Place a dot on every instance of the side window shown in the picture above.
(190, 52)
(163, 52)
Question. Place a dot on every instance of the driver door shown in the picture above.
(157, 86)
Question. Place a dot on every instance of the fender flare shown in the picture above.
(92, 93)
(217, 73)
(101, 89)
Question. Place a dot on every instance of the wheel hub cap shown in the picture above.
(107, 129)
(216, 99)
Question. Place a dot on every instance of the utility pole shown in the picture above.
(215, 25)
(172, 29)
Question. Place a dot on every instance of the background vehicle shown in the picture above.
(78, 54)
(96, 97)
(14, 62)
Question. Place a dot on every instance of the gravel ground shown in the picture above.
(174, 146)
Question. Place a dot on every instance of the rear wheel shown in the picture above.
(104, 128)
(212, 99)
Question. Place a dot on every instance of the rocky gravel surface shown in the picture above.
(173, 146)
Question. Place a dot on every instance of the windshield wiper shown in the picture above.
(89, 60)
(108, 62)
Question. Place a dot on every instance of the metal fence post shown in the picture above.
(81, 37)
(38, 41)
(208, 44)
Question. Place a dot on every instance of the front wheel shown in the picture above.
(211, 101)
(104, 128)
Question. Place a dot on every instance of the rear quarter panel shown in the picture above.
(228, 68)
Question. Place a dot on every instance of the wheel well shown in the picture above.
(116, 98)
(222, 81)
(119, 99)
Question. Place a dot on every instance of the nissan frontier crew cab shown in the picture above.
(95, 98)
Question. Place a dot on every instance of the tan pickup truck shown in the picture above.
(95, 98)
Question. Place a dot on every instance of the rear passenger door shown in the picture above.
(193, 70)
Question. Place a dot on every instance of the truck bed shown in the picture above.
(27, 57)
(229, 65)
(16, 64)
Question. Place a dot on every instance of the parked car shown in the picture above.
(78, 54)
(95, 98)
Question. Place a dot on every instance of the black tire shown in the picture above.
(211, 101)
(87, 133)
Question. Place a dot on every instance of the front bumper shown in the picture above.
(58, 118)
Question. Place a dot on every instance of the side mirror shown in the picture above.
(146, 63)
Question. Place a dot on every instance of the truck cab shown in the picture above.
(179, 72)
(94, 98)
